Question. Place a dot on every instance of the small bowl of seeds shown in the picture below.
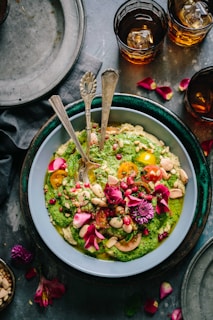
(7, 285)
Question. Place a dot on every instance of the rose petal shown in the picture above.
(147, 83)
(207, 146)
(183, 85)
(58, 163)
(165, 92)
(165, 289)
(177, 314)
(151, 306)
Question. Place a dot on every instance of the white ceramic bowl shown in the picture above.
(53, 135)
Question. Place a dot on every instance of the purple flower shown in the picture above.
(143, 212)
(21, 255)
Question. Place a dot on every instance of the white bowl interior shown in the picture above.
(69, 254)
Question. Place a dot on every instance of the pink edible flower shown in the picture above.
(113, 194)
(151, 306)
(183, 85)
(165, 92)
(162, 194)
(165, 289)
(177, 314)
(133, 201)
(91, 237)
(21, 255)
(207, 146)
(58, 163)
(147, 83)
(80, 219)
(47, 291)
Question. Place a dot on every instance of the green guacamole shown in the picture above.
(133, 199)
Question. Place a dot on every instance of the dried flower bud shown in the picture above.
(21, 255)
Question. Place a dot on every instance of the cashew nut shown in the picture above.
(183, 176)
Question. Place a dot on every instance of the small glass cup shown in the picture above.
(140, 27)
(189, 21)
(198, 98)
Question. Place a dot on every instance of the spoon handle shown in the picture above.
(88, 85)
(59, 109)
(109, 80)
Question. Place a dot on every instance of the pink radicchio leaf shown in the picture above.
(47, 291)
(58, 163)
(80, 219)
(151, 306)
(207, 146)
(21, 255)
(113, 194)
(165, 92)
(147, 83)
(165, 289)
(177, 314)
(183, 85)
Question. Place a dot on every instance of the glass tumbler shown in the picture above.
(189, 21)
(198, 98)
(140, 27)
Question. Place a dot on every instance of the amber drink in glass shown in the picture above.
(189, 21)
(140, 28)
(199, 95)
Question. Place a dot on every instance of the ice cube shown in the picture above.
(195, 14)
(140, 38)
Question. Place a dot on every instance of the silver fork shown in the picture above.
(59, 109)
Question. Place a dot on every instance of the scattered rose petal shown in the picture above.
(80, 219)
(151, 306)
(31, 273)
(48, 290)
(207, 146)
(21, 255)
(147, 83)
(162, 194)
(165, 289)
(56, 164)
(165, 92)
(177, 314)
(183, 85)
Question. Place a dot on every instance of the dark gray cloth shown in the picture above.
(18, 125)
